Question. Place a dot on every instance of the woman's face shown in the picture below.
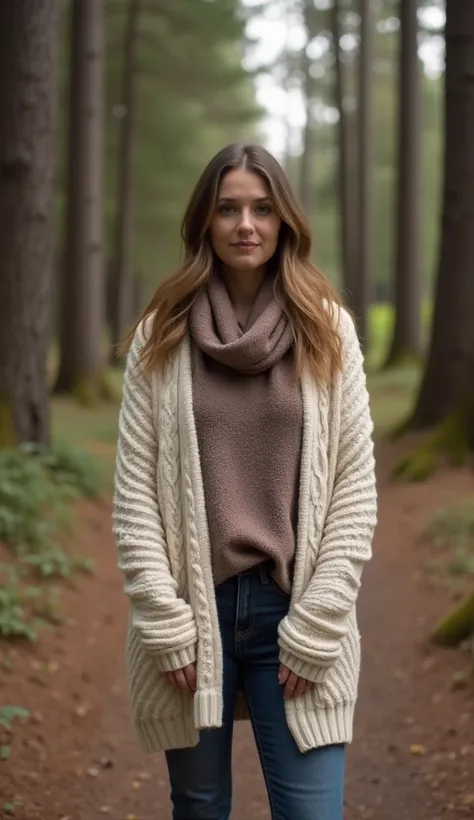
(244, 228)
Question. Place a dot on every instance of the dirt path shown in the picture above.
(413, 755)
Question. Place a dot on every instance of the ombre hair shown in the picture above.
(308, 299)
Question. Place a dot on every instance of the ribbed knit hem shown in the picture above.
(208, 710)
(178, 659)
(160, 735)
(308, 671)
(320, 727)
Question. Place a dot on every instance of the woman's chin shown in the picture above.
(245, 263)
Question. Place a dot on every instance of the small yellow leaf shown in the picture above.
(136, 785)
(417, 749)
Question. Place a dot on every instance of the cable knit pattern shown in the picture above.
(163, 542)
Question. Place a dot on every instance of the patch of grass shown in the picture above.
(92, 430)
(452, 529)
(37, 489)
(381, 319)
(11, 713)
(392, 394)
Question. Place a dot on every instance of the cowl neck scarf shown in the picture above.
(217, 332)
(248, 414)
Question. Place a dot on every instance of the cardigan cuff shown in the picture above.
(308, 671)
(176, 659)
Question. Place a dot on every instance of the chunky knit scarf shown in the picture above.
(248, 412)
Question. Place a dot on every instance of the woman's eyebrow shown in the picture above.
(234, 199)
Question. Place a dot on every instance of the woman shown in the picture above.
(245, 502)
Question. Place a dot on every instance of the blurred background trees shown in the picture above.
(125, 102)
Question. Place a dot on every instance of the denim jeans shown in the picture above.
(300, 786)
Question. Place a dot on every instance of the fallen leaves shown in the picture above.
(417, 749)
(92, 771)
(82, 709)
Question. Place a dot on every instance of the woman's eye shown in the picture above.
(226, 209)
(263, 210)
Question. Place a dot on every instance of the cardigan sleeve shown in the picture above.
(164, 621)
(310, 636)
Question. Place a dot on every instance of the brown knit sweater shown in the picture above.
(249, 419)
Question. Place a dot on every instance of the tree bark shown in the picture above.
(363, 275)
(446, 398)
(29, 102)
(307, 180)
(345, 210)
(449, 376)
(406, 340)
(82, 308)
(122, 281)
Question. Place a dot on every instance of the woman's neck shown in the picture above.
(243, 287)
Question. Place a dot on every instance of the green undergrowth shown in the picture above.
(452, 530)
(38, 491)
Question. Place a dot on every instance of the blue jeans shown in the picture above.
(300, 786)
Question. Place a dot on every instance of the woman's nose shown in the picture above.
(246, 224)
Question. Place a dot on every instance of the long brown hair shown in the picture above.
(308, 298)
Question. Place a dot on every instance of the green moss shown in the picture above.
(450, 438)
(107, 387)
(85, 391)
(457, 625)
(8, 437)
(91, 390)
(402, 358)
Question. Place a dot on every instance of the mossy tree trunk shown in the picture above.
(346, 210)
(406, 339)
(362, 282)
(446, 398)
(82, 361)
(29, 97)
(307, 181)
(121, 266)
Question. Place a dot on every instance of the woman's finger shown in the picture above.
(290, 685)
(190, 675)
(181, 681)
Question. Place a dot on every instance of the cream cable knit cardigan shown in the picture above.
(164, 552)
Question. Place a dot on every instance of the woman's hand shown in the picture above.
(184, 679)
(294, 686)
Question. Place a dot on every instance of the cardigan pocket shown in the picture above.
(153, 697)
(340, 685)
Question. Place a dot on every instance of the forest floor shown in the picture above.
(76, 756)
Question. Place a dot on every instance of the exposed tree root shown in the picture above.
(451, 439)
(457, 625)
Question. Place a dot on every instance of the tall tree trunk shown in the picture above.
(362, 282)
(446, 397)
(307, 176)
(406, 341)
(122, 280)
(306, 170)
(345, 210)
(29, 98)
(82, 308)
